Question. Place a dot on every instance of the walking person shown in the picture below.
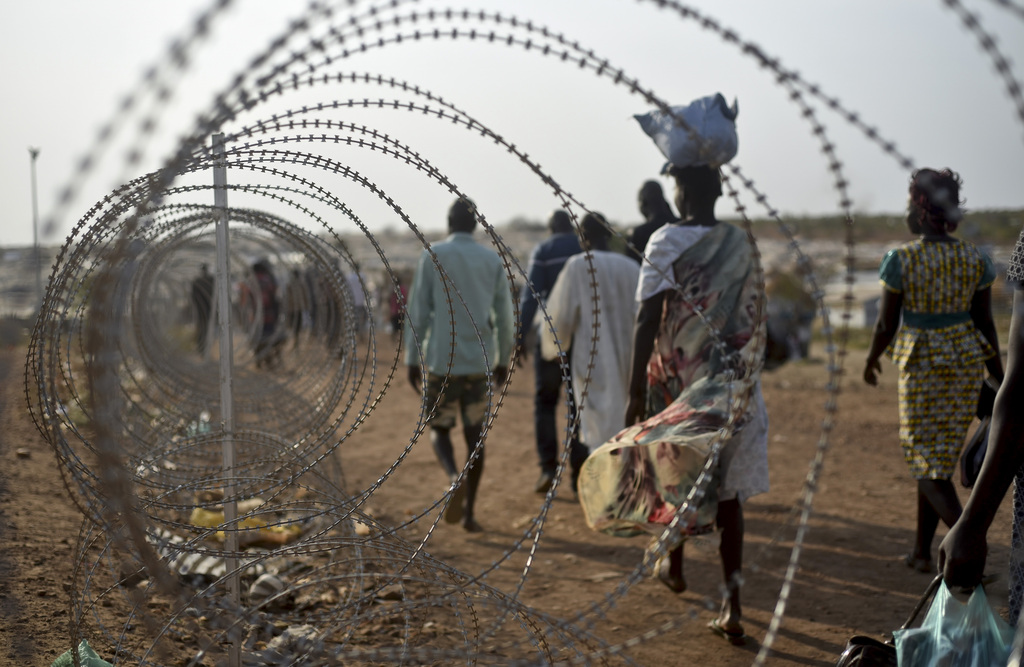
(266, 350)
(656, 212)
(202, 303)
(697, 354)
(459, 326)
(940, 287)
(397, 299)
(296, 297)
(592, 307)
(546, 261)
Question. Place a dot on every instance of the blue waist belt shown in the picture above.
(934, 320)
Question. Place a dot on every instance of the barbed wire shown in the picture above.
(113, 384)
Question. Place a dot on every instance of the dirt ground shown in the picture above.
(850, 580)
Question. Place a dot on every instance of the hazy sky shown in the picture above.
(907, 67)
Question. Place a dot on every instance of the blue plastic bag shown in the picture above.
(954, 634)
(710, 140)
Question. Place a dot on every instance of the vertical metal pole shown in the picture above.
(223, 283)
(34, 152)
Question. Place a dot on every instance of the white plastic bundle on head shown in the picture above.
(707, 138)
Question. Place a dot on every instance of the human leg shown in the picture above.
(547, 384)
(296, 323)
(936, 499)
(202, 326)
(920, 558)
(473, 392)
(441, 440)
(730, 524)
(475, 472)
(670, 570)
(396, 327)
(942, 495)
(442, 397)
(578, 453)
(750, 446)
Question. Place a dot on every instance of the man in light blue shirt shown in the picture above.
(459, 326)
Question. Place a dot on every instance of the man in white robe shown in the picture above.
(572, 331)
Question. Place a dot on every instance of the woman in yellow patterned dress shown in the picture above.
(941, 286)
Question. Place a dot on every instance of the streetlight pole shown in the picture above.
(34, 153)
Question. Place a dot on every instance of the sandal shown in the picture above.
(920, 564)
(734, 637)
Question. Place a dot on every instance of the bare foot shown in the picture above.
(733, 633)
(675, 581)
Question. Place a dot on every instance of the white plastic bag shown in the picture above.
(87, 657)
(710, 140)
(954, 634)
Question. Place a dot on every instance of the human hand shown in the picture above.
(995, 371)
(962, 555)
(415, 377)
(521, 355)
(872, 369)
(500, 374)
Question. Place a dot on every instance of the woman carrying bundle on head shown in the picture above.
(940, 285)
(695, 446)
(698, 349)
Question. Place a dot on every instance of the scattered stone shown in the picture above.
(523, 521)
(23, 453)
(393, 592)
(604, 576)
(265, 586)
(294, 636)
(295, 640)
(249, 504)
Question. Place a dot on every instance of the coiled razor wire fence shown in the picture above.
(121, 375)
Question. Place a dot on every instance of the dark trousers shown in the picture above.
(548, 386)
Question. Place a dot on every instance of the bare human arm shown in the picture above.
(963, 551)
(886, 325)
(981, 313)
(645, 330)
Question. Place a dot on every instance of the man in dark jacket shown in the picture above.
(546, 260)
(656, 211)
